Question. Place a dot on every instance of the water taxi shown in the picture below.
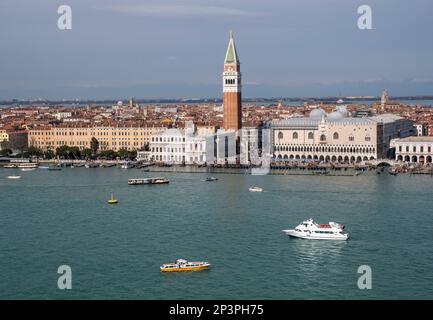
(14, 177)
(112, 200)
(159, 181)
(211, 179)
(255, 189)
(127, 165)
(392, 171)
(311, 230)
(184, 265)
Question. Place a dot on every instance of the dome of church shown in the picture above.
(339, 112)
(343, 110)
(335, 115)
(317, 113)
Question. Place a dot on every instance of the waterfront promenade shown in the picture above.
(279, 168)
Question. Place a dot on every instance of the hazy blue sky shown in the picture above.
(164, 49)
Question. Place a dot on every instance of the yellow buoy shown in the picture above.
(112, 200)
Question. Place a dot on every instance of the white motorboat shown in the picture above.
(311, 230)
(211, 179)
(127, 165)
(27, 169)
(14, 177)
(255, 189)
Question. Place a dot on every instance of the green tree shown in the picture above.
(49, 154)
(74, 152)
(123, 153)
(62, 151)
(94, 145)
(87, 153)
(33, 151)
(132, 154)
(108, 154)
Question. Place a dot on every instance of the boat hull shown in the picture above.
(303, 235)
(183, 269)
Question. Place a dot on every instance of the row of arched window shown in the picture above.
(340, 159)
(230, 81)
(325, 149)
(335, 136)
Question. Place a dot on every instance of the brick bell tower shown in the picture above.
(232, 100)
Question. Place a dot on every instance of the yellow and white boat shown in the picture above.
(112, 200)
(184, 265)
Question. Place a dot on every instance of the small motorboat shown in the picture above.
(27, 169)
(54, 168)
(112, 200)
(211, 179)
(393, 171)
(321, 172)
(159, 181)
(127, 165)
(14, 177)
(255, 189)
(184, 265)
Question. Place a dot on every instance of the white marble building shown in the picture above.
(185, 146)
(413, 149)
(336, 137)
(168, 146)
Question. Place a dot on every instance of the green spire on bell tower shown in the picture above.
(231, 55)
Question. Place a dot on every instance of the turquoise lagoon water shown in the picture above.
(50, 218)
